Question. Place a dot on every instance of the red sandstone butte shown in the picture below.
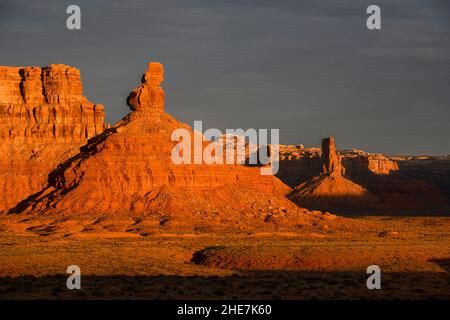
(127, 171)
(44, 119)
(299, 164)
(406, 186)
(330, 187)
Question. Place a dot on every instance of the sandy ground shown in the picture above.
(310, 263)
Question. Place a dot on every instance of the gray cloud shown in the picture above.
(309, 68)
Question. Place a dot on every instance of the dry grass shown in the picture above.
(414, 255)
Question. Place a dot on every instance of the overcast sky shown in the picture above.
(310, 68)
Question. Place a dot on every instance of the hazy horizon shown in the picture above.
(312, 70)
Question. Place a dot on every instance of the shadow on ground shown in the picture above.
(242, 285)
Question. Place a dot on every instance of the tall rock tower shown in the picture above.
(149, 96)
(331, 160)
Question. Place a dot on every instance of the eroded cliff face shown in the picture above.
(44, 119)
(127, 171)
(299, 164)
(367, 176)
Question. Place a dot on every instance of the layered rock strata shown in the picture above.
(44, 119)
(299, 164)
(128, 171)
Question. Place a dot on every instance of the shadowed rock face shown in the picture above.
(128, 170)
(331, 188)
(403, 185)
(331, 160)
(299, 164)
(364, 191)
(44, 119)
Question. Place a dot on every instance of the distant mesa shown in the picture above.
(357, 182)
(330, 188)
(299, 164)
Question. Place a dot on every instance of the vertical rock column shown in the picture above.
(331, 160)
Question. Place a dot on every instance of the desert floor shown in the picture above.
(309, 263)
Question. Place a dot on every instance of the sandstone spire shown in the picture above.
(149, 96)
(331, 160)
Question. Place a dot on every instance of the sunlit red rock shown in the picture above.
(128, 170)
(44, 119)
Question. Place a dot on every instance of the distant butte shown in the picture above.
(330, 188)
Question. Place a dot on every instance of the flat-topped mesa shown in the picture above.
(331, 160)
(38, 105)
(44, 119)
(149, 96)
